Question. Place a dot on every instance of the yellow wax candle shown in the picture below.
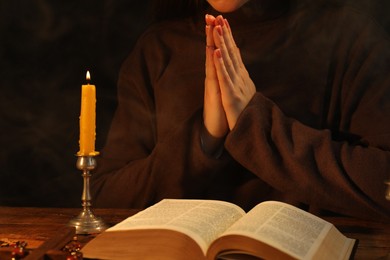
(87, 119)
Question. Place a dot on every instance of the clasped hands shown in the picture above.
(228, 87)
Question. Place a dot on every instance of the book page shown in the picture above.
(292, 230)
(203, 220)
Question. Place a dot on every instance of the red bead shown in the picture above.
(75, 256)
(18, 252)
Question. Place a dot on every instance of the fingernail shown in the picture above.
(220, 20)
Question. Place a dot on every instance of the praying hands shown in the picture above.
(228, 87)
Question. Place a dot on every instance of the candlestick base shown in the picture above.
(86, 222)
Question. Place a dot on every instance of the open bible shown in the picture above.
(209, 229)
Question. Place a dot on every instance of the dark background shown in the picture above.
(46, 46)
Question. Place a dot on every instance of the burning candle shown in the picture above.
(87, 119)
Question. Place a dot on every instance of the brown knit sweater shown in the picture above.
(316, 133)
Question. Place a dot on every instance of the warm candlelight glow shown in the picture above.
(87, 119)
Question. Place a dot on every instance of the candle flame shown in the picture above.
(88, 76)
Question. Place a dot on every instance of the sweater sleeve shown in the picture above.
(343, 166)
(136, 167)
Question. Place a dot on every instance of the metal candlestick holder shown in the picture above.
(86, 222)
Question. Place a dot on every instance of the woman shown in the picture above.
(291, 105)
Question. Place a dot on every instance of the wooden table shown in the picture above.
(47, 232)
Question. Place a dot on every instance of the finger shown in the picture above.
(210, 68)
(228, 32)
(229, 42)
(209, 36)
(225, 55)
(238, 62)
(211, 81)
(225, 82)
(210, 21)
